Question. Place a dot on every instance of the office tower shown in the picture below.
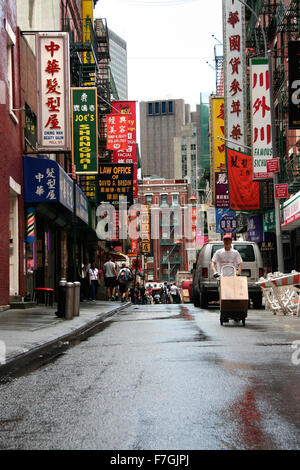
(118, 64)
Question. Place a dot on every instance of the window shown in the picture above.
(163, 107)
(157, 110)
(170, 107)
(246, 251)
(148, 199)
(175, 199)
(150, 108)
(164, 199)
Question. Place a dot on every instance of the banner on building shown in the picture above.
(84, 130)
(243, 191)
(145, 229)
(117, 131)
(115, 181)
(218, 130)
(234, 72)
(221, 190)
(294, 84)
(261, 136)
(53, 88)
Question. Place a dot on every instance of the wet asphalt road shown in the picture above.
(163, 377)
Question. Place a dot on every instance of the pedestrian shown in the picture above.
(94, 281)
(174, 293)
(143, 295)
(110, 278)
(124, 279)
(226, 255)
(164, 294)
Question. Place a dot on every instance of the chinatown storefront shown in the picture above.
(290, 216)
(58, 228)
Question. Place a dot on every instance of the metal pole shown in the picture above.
(280, 261)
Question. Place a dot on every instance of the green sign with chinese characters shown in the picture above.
(269, 221)
(84, 130)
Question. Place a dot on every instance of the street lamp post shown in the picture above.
(274, 150)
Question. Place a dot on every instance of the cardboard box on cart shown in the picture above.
(234, 294)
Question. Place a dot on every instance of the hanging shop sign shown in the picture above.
(255, 228)
(46, 181)
(115, 181)
(243, 191)
(129, 154)
(218, 130)
(234, 72)
(53, 88)
(84, 130)
(117, 131)
(269, 221)
(281, 190)
(82, 205)
(146, 248)
(261, 136)
(294, 84)
(226, 220)
(221, 190)
(273, 165)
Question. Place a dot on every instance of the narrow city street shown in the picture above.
(163, 377)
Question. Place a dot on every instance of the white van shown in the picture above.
(205, 287)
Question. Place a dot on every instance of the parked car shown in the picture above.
(205, 287)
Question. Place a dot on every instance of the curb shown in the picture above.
(43, 353)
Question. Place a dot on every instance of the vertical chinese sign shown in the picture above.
(294, 84)
(146, 248)
(84, 130)
(234, 72)
(117, 131)
(261, 137)
(128, 155)
(53, 87)
(218, 128)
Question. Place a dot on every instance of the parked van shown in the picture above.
(205, 287)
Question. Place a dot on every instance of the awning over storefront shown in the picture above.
(46, 182)
(291, 213)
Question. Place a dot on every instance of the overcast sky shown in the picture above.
(168, 45)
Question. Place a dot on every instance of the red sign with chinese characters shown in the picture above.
(281, 190)
(243, 191)
(273, 165)
(117, 131)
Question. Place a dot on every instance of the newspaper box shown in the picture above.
(234, 294)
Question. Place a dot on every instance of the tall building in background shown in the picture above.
(118, 64)
(185, 155)
(160, 122)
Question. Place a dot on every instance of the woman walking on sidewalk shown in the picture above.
(94, 281)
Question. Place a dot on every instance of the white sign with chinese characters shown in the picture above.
(234, 73)
(261, 135)
(53, 83)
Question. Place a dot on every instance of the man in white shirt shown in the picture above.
(110, 278)
(226, 255)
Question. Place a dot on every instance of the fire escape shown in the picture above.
(90, 67)
(281, 24)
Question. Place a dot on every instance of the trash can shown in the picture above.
(76, 298)
(61, 299)
(69, 300)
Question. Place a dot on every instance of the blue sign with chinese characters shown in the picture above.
(225, 221)
(46, 181)
(255, 228)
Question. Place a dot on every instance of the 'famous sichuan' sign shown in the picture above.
(53, 86)
(84, 130)
(261, 118)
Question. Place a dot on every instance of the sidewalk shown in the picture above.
(28, 335)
